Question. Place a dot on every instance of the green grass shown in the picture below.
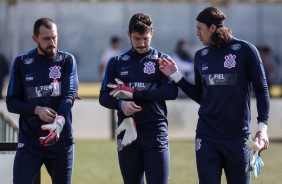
(96, 163)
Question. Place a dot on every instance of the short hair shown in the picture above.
(140, 23)
(46, 22)
(212, 15)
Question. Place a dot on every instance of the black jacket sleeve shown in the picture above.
(105, 99)
(167, 91)
(69, 86)
(191, 90)
(15, 95)
(257, 74)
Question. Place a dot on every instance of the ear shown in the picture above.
(213, 28)
(128, 34)
(34, 38)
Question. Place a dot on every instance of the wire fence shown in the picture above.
(9, 137)
(8, 129)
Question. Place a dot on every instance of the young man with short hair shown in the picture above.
(139, 96)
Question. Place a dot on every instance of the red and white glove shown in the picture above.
(55, 129)
(130, 134)
(121, 90)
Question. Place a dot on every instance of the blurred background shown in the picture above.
(86, 29)
(86, 26)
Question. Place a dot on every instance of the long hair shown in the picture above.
(212, 15)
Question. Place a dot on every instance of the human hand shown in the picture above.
(130, 134)
(255, 163)
(45, 114)
(55, 129)
(262, 139)
(129, 108)
(261, 136)
(169, 68)
(120, 91)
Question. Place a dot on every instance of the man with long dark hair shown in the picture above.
(224, 71)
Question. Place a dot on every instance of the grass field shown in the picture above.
(96, 163)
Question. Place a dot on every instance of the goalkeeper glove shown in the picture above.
(130, 134)
(121, 90)
(258, 164)
(55, 129)
(255, 162)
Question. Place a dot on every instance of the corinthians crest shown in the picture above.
(229, 61)
(149, 67)
(55, 72)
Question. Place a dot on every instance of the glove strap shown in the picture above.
(176, 76)
(262, 127)
(60, 122)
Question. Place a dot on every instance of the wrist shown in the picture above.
(120, 103)
(262, 127)
(36, 110)
(61, 120)
(176, 76)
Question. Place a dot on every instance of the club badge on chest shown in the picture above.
(149, 67)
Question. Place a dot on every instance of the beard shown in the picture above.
(50, 51)
(137, 49)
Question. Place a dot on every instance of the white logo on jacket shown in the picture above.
(204, 52)
(28, 61)
(149, 67)
(236, 46)
(198, 144)
(125, 57)
(229, 61)
(55, 72)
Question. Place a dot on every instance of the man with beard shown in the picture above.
(139, 96)
(42, 89)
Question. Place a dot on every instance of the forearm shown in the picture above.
(166, 92)
(108, 101)
(190, 90)
(263, 106)
(17, 106)
(65, 107)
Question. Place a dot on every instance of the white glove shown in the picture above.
(120, 90)
(55, 129)
(130, 134)
(255, 162)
